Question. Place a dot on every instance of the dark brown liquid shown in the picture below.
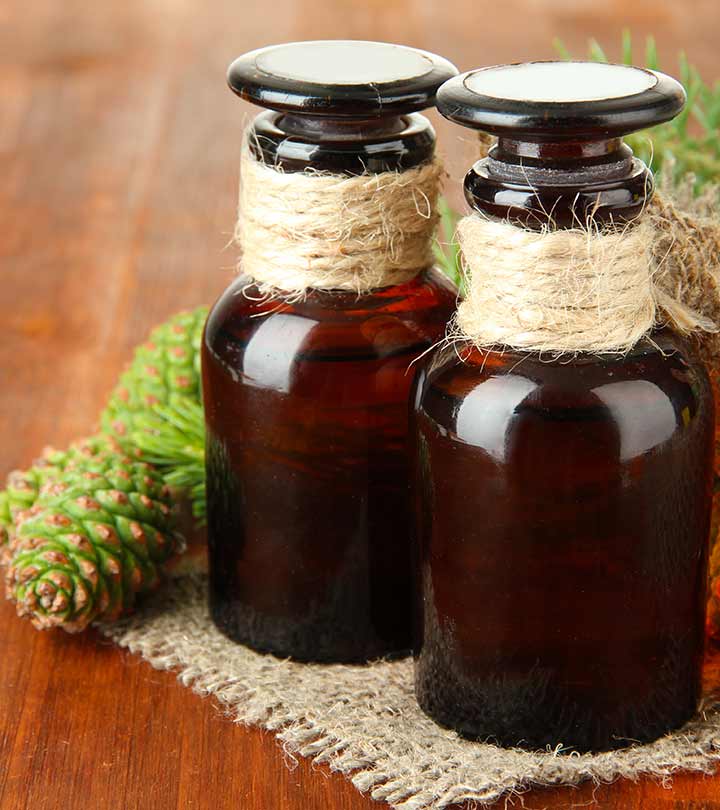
(563, 512)
(306, 407)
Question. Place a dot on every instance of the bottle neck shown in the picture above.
(563, 184)
(344, 146)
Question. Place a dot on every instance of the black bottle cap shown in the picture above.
(561, 100)
(560, 159)
(340, 78)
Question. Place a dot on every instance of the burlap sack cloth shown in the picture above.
(363, 721)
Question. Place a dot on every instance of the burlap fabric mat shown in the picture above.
(363, 720)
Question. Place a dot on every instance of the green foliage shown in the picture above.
(445, 247)
(172, 436)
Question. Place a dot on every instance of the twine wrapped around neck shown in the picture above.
(312, 229)
(585, 289)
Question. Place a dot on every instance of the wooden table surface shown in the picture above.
(119, 149)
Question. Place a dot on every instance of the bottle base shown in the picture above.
(302, 643)
(593, 738)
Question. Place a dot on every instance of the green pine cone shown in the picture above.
(165, 366)
(92, 541)
(23, 486)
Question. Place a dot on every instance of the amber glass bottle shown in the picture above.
(306, 398)
(563, 504)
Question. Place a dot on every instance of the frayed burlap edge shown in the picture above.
(363, 721)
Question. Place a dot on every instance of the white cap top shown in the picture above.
(560, 82)
(344, 62)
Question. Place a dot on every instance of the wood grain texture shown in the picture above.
(119, 147)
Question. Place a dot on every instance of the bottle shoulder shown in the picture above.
(415, 312)
(460, 365)
(654, 390)
(429, 288)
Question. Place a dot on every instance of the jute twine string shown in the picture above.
(564, 291)
(312, 229)
(584, 289)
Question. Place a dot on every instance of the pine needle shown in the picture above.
(172, 437)
(445, 247)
